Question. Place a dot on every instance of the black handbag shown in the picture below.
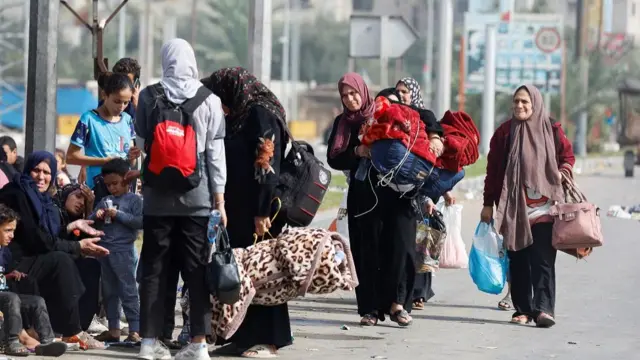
(223, 277)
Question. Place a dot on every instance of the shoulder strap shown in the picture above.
(192, 104)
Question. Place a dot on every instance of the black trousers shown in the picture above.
(533, 274)
(89, 304)
(164, 237)
(60, 284)
(23, 312)
(173, 276)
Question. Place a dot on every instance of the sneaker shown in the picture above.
(96, 327)
(155, 351)
(103, 320)
(194, 351)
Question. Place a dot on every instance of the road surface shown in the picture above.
(596, 307)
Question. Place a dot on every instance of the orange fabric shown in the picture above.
(334, 225)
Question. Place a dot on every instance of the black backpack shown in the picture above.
(303, 182)
(173, 163)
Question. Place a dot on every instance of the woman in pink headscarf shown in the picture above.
(382, 226)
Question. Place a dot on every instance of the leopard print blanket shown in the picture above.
(298, 262)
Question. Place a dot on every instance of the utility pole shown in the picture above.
(194, 22)
(295, 59)
(286, 44)
(40, 124)
(445, 50)
(427, 72)
(583, 63)
(122, 34)
(489, 94)
(259, 55)
(384, 52)
(97, 30)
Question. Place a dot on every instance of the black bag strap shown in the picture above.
(192, 104)
(223, 243)
(189, 106)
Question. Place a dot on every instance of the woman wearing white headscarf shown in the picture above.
(176, 222)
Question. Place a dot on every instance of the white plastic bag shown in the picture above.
(454, 253)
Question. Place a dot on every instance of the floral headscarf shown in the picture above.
(414, 87)
(239, 90)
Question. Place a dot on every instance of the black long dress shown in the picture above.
(382, 231)
(422, 290)
(248, 194)
(89, 268)
(48, 260)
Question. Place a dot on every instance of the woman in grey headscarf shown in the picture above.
(175, 222)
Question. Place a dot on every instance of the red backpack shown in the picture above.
(173, 163)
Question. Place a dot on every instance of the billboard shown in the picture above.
(529, 51)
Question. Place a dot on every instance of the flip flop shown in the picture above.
(418, 305)
(505, 304)
(369, 320)
(53, 349)
(520, 320)
(260, 352)
(401, 317)
(545, 320)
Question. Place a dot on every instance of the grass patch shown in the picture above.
(331, 200)
(339, 180)
(477, 169)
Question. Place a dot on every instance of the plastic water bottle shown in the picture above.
(363, 168)
(109, 205)
(212, 229)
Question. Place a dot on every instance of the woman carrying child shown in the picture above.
(382, 225)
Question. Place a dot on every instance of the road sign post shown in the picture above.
(381, 37)
(529, 51)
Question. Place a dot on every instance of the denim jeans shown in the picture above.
(119, 287)
(22, 311)
(433, 182)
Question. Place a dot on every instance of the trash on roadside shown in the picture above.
(344, 327)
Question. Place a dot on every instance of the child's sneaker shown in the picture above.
(154, 351)
(194, 351)
(96, 327)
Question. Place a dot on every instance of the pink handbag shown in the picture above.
(577, 222)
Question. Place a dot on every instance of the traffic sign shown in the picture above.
(365, 36)
(548, 39)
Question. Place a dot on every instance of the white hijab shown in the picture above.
(180, 78)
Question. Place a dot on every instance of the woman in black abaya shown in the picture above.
(255, 142)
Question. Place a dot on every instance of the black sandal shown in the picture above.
(52, 349)
(16, 349)
(369, 320)
(401, 317)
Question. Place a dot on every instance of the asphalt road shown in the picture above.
(595, 307)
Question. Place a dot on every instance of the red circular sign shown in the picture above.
(548, 39)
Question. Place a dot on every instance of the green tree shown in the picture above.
(222, 34)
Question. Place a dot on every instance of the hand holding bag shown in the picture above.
(577, 223)
(430, 236)
(223, 277)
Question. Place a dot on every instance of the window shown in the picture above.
(362, 5)
(633, 8)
